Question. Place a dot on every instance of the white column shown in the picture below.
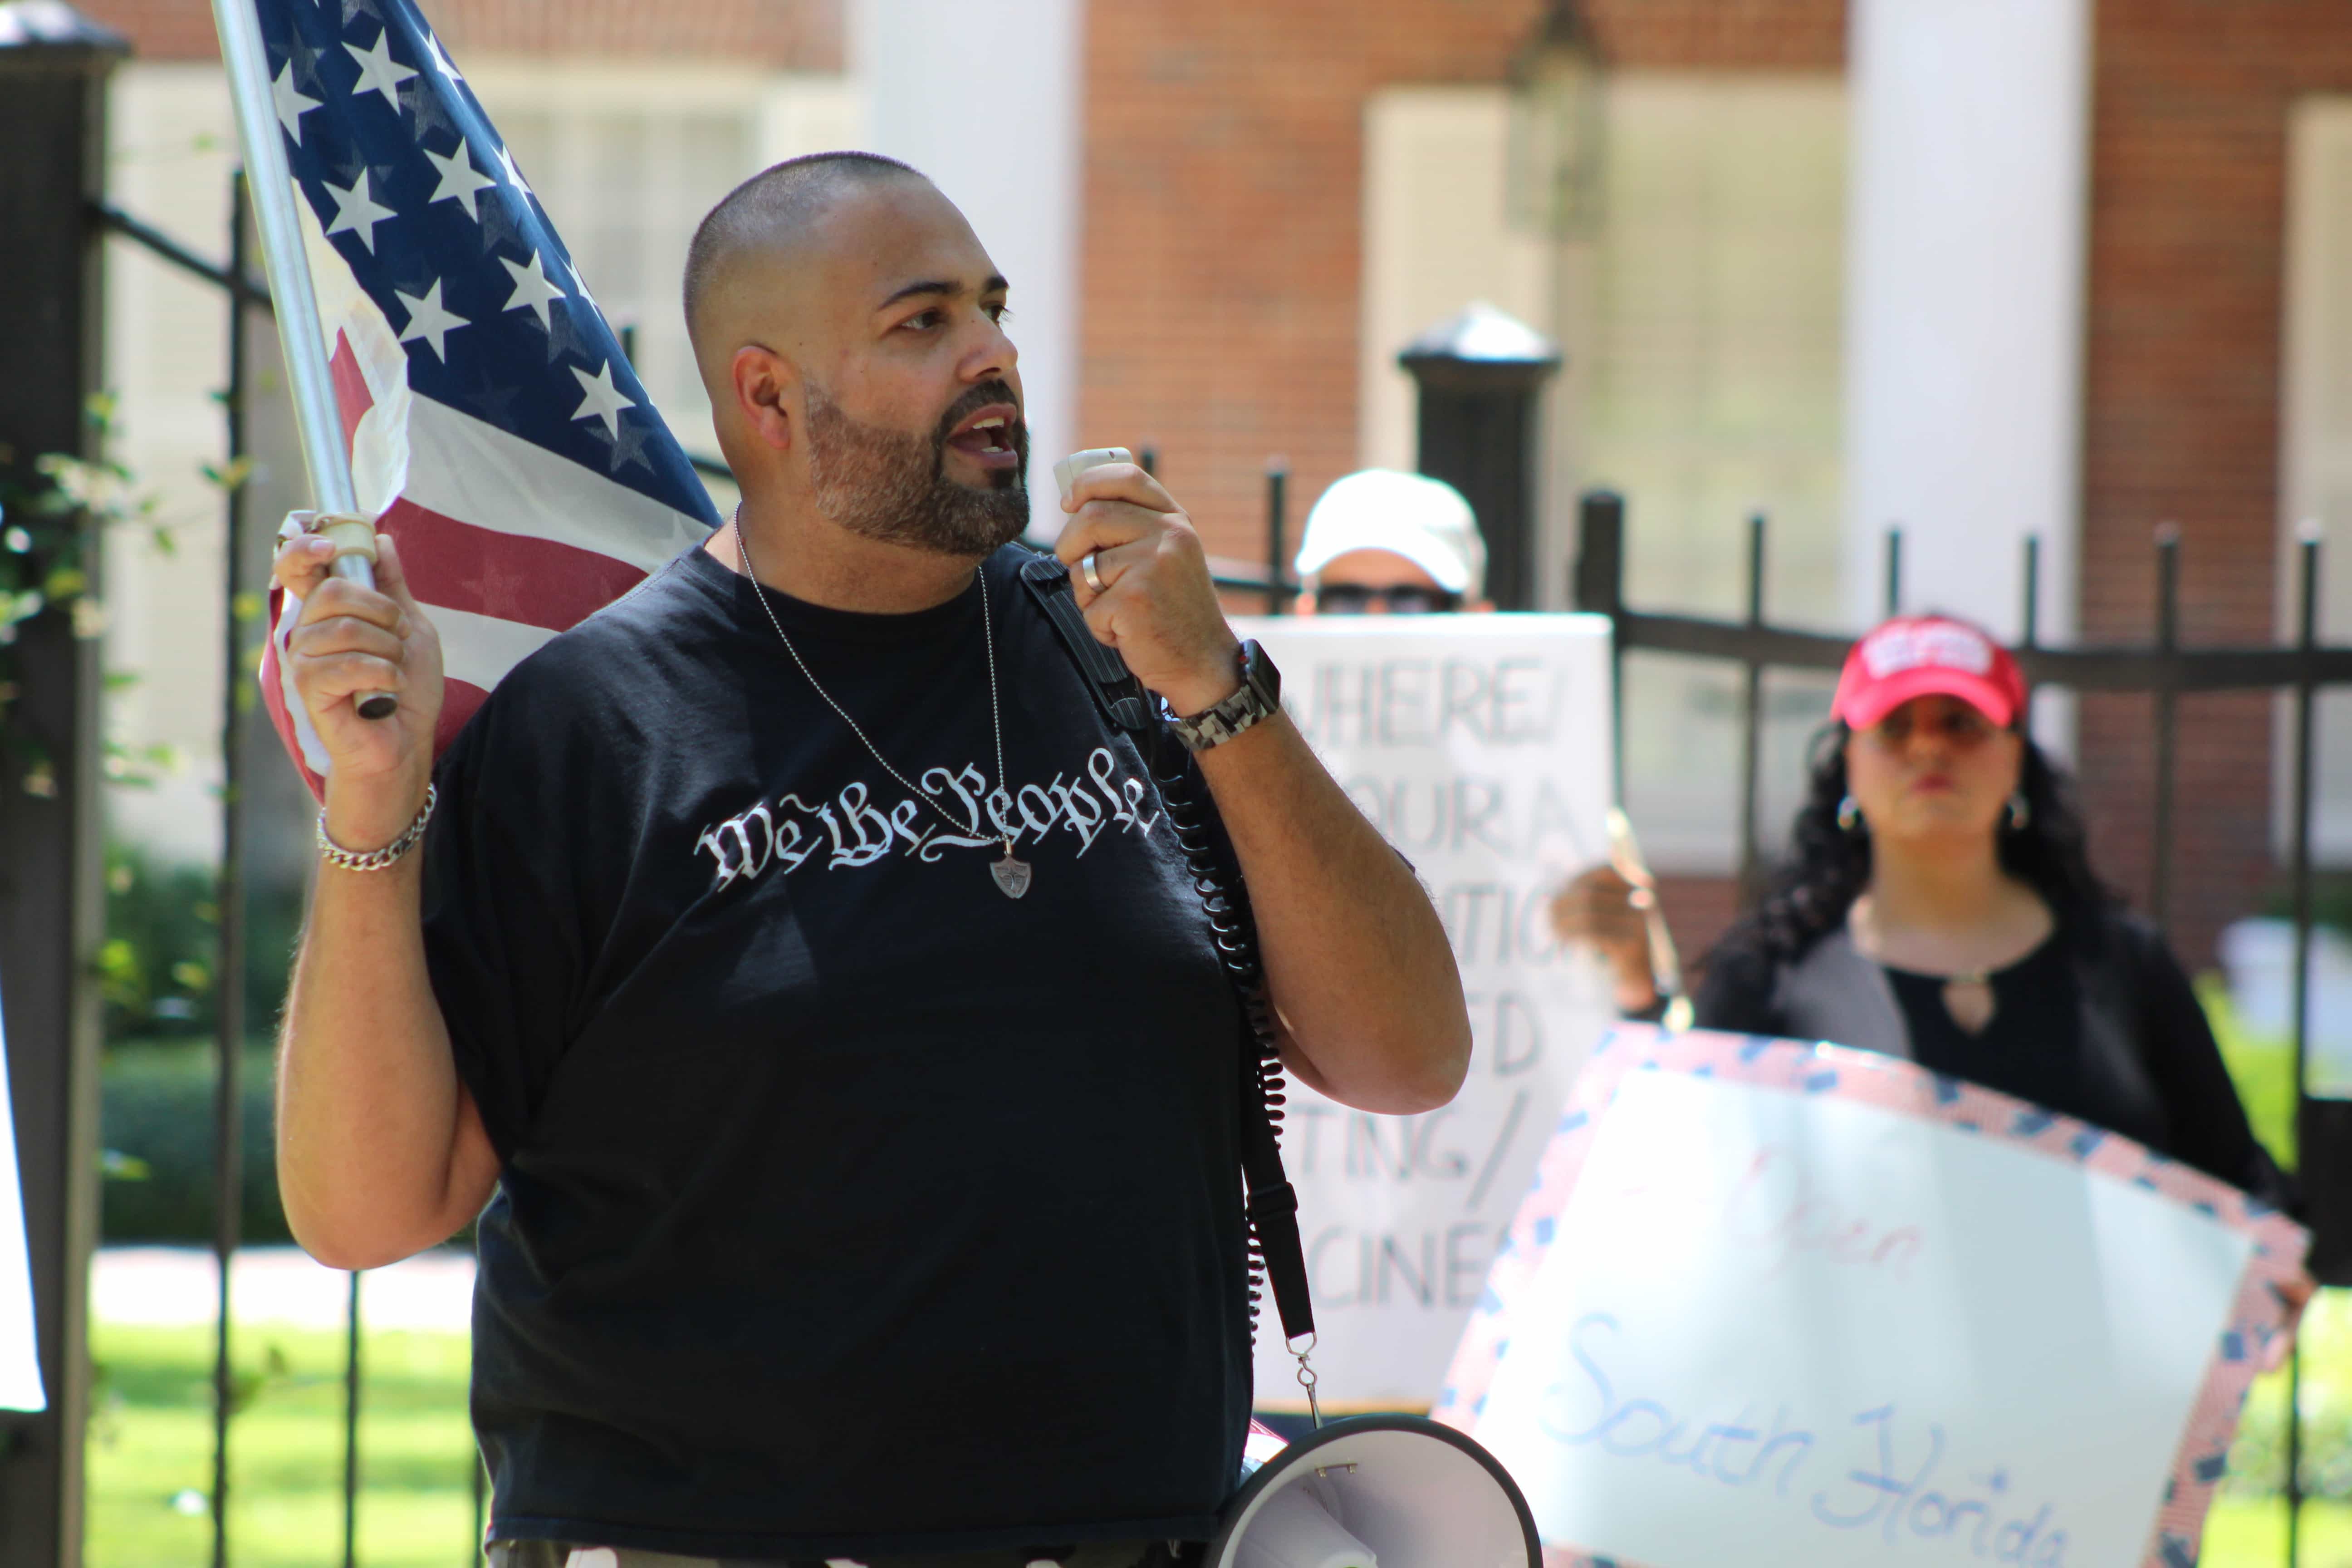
(1967, 231)
(983, 96)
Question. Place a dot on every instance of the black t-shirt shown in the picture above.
(847, 1207)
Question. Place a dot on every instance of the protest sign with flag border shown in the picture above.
(2255, 1314)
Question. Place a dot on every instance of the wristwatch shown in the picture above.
(1259, 698)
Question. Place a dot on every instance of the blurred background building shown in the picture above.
(1983, 269)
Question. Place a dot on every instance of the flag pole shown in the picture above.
(293, 301)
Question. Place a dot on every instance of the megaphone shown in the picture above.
(1377, 1491)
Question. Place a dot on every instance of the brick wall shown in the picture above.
(1223, 194)
(2188, 165)
(804, 35)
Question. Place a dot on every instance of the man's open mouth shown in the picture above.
(989, 435)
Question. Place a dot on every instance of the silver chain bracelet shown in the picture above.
(377, 859)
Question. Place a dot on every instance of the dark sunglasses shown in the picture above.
(1404, 599)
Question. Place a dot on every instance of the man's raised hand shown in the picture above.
(348, 641)
(1158, 606)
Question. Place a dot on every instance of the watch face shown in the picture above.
(1258, 671)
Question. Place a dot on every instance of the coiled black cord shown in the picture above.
(1264, 1090)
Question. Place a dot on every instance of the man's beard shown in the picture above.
(892, 485)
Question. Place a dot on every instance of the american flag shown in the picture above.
(495, 428)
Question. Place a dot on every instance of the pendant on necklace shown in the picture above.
(1012, 875)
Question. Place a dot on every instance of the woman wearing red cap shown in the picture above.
(1937, 905)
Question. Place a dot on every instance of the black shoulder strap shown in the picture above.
(1275, 1247)
(1122, 696)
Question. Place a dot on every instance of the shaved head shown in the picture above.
(768, 214)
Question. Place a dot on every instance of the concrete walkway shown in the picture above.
(172, 1286)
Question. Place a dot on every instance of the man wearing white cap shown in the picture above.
(1384, 543)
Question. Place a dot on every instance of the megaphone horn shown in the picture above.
(1379, 1491)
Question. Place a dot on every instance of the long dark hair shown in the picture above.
(1828, 867)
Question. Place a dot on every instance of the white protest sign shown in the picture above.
(1480, 745)
(1800, 1306)
(20, 1351)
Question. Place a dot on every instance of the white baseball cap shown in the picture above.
(1424, 519)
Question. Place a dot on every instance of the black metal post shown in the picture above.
(1597, 586)
(228, 978)
(1894, 570)
(1751, 720)
(352, 1425)
(2168, 707)
(53, 69)
(1480, 380)
(1278, 591)
(2306, 715)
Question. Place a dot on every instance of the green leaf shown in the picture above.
(230, 477)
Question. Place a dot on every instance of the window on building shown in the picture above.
(1701, 328)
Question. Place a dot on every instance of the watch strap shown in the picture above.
(1231, 717)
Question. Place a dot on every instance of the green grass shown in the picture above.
(151, 1443)
(2251, 1532)
(2263, 1067)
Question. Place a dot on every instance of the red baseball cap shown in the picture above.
(1920, 655)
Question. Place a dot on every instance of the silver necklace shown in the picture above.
(1012, 876)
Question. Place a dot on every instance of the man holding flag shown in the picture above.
(798, 963)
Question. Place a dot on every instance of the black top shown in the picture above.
(2099, 1023)
(2032, 1048)
(847, 1207)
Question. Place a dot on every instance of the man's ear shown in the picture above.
(767, 395)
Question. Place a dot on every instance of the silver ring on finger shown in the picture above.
(1093, 577)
